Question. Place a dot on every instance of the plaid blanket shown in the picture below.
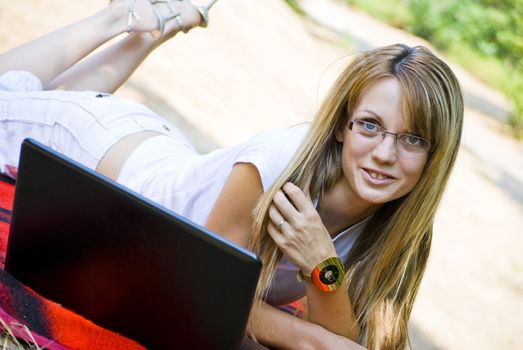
(34, 319)
(6, 205)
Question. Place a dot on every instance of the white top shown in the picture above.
(171, 173)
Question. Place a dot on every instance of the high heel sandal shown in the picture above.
(133, 18)
(176, 15)
(204, 12)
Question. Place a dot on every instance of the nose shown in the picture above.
(385, 150)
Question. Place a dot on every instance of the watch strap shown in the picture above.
(326, 276)
(303, 277)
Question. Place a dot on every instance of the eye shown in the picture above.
(370, 127)
(412, 140)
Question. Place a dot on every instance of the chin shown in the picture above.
(377, 201)
(378, 198)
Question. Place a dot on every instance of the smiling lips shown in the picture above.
(378, 177)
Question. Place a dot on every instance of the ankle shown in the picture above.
(110, 21)
(117, 16)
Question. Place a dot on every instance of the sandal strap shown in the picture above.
(204, 12)
(132, 16)
(176, 15)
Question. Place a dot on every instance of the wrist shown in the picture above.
(327, 276)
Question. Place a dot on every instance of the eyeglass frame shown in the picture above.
(383, 132)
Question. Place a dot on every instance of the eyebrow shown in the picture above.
(374, 114)
(380, 120)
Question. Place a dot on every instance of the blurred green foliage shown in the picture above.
(295, 6)
(485, 36)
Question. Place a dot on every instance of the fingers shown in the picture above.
(297, 229)
(290, 207)
(301, 200)
(290, 201)
(276, 235)
(277, 219)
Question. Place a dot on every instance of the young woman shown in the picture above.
(340, 210)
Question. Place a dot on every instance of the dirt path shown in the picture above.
(258, 66)
(472, 294)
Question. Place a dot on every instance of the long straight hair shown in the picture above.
(387, 262)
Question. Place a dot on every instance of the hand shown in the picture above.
(297, 229)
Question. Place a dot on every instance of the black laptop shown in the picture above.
(124, 262)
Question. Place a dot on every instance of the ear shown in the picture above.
(339, 135)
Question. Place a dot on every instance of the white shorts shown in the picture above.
(80, 125)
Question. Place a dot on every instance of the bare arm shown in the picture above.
(232, 218)
(306, 242)
(333, 311)
(280, 330)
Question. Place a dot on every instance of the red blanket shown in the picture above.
(34, 318)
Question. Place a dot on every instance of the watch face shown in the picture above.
(329, 274)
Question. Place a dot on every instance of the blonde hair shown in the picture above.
(386, 264)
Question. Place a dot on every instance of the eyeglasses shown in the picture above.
(406, 142)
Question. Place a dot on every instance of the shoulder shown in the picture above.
(272, 151)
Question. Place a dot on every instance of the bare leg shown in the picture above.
(107, 70)
(51, 55)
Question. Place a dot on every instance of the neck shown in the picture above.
(339, 209)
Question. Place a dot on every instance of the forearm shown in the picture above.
(50, 55)
(333, 311)
(280, 330)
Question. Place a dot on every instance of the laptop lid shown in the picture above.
(124, 262)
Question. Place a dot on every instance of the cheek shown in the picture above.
(412, 170)
(354, 150)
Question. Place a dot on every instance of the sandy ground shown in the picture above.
(259, 66)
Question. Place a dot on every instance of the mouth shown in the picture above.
(378, 177)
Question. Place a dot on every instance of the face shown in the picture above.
(376, 172)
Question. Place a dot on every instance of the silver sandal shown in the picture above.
(204, 12)
(176, 15)
(133, 18)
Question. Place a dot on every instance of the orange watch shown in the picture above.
(326, 276)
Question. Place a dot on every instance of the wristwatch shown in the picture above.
(326, 276)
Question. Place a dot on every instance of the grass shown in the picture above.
(9, 341)
(489, 70)
(295, 6)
